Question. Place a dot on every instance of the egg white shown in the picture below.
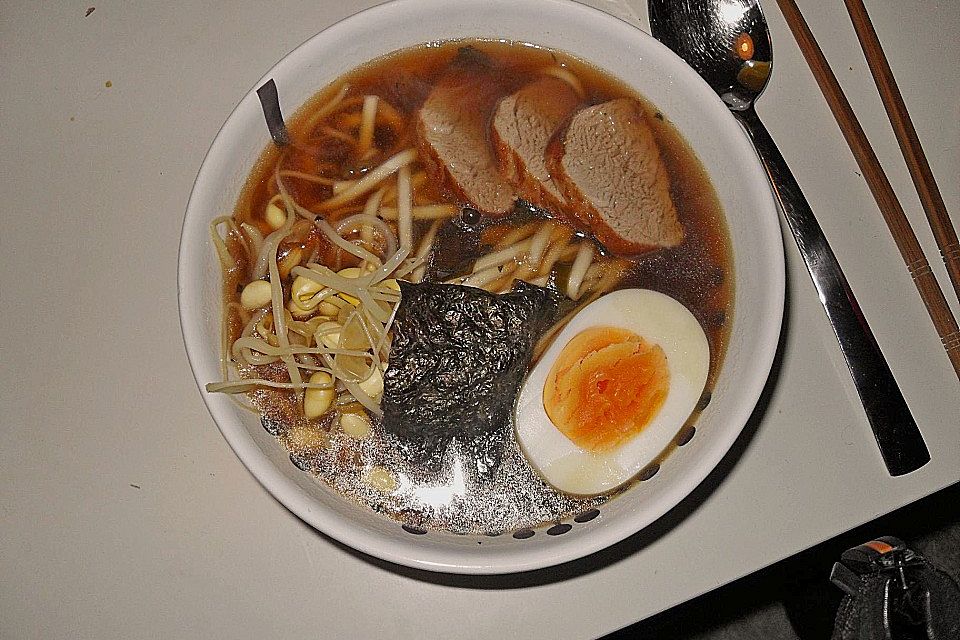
(658, 319)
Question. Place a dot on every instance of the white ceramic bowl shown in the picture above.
(612, 45)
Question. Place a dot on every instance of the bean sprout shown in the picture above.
(562, 73)
(328, 108)
(422, 212)
(361, 221)
(426, 244)
(579, 269)
(404, 207)
(370, 179)
(367, 123)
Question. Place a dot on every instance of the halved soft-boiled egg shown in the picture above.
(613, 389)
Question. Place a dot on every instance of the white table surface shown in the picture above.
(125, 514)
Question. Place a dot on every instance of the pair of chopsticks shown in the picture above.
(946, 236)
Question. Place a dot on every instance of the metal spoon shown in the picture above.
(728, 43)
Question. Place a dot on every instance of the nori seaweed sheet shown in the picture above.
(458, 357)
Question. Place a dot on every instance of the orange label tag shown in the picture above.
(879, 547)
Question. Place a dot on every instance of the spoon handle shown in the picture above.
(900, 441)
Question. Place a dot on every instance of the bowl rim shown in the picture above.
(408, 553)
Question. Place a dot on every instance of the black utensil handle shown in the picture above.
(900, 441)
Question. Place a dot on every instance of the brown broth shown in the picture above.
(698, 272)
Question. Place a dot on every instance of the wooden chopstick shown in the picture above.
(923, 179)
(923, 278)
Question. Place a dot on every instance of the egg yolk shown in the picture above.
(605, 387)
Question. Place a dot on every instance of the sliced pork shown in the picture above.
(608, 167)
(453, 133)
(522, 125)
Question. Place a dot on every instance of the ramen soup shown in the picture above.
(476, 286)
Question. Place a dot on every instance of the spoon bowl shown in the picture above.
(735, 59)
